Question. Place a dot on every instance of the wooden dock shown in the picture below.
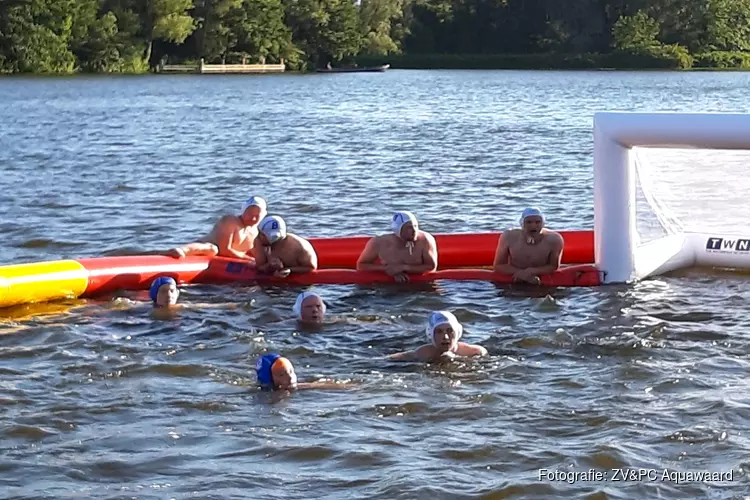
(219, 69)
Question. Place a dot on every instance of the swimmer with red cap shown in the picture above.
(443, 334)
(529, 251)
(281, 253)
(276, 373)
(405, 250)
(232, 235)
(309, 308)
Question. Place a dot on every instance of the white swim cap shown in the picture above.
(273, 227)
(255, 201)
(531, 212)
(438, 318)
(401, 218)
(301, 298)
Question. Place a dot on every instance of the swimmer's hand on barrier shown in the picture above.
(525, 276)
(275, 264)
(177, 253)
(282, 273)
(395, 269)
(401, 278)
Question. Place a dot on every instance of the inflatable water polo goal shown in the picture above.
(614, 252)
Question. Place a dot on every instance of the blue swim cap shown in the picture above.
(263, 369)
(158, 282)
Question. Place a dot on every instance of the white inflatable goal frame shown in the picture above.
(616, 249)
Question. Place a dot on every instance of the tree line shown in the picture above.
(62, 36)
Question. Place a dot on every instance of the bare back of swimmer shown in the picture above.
(232, 235)
(406, 250)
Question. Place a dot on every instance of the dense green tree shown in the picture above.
(129, 35)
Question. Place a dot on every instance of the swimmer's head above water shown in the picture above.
(444, 331)
(309, 307)
(532, 222)
(404, 225)
(164, 292)
(275, 372)
(253, 210)
(272, 229)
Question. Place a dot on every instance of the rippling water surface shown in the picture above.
(99, 399)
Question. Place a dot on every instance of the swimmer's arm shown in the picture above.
(261, 259)
(367, 258)
(471, 350)
(404, 356)
(308, 260)
(420, 354)
(502, 256)
(554, 259)
(323, 385)
(429, 258)
(225, 239)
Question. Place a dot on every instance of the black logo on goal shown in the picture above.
(727, 245)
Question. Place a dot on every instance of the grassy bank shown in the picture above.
(663, 59)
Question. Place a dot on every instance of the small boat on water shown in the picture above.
(364, 69)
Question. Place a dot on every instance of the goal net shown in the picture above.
(670, 192)
(691, 191)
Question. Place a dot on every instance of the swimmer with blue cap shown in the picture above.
(232, 235)
(529, 251)
(276, 373)
(443, 334)
(164, 292)
(280, 252)
(405, 250)
(309, 308)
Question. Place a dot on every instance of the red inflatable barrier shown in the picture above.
(454, 250)
(107, 274)
(228, 270)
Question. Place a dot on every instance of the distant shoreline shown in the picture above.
(712, 61)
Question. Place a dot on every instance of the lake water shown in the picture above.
(100, 400)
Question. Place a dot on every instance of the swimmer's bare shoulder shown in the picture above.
(468, 350)
(299, 241)
(512, 235)
(225, 224)
(554, 237)
(303, 253)
(427, 238)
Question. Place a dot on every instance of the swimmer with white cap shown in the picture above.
(282, 253)
(276, 373)
(232, 235)
(443, 334)
(529, 251)
(309, 308)
(406, 250)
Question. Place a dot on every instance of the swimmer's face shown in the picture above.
(251, 216)
(167, 295)
(533, 225)
(283, 374)
(409, 231)
(444, 338)
(265, 241)
(312, 310)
